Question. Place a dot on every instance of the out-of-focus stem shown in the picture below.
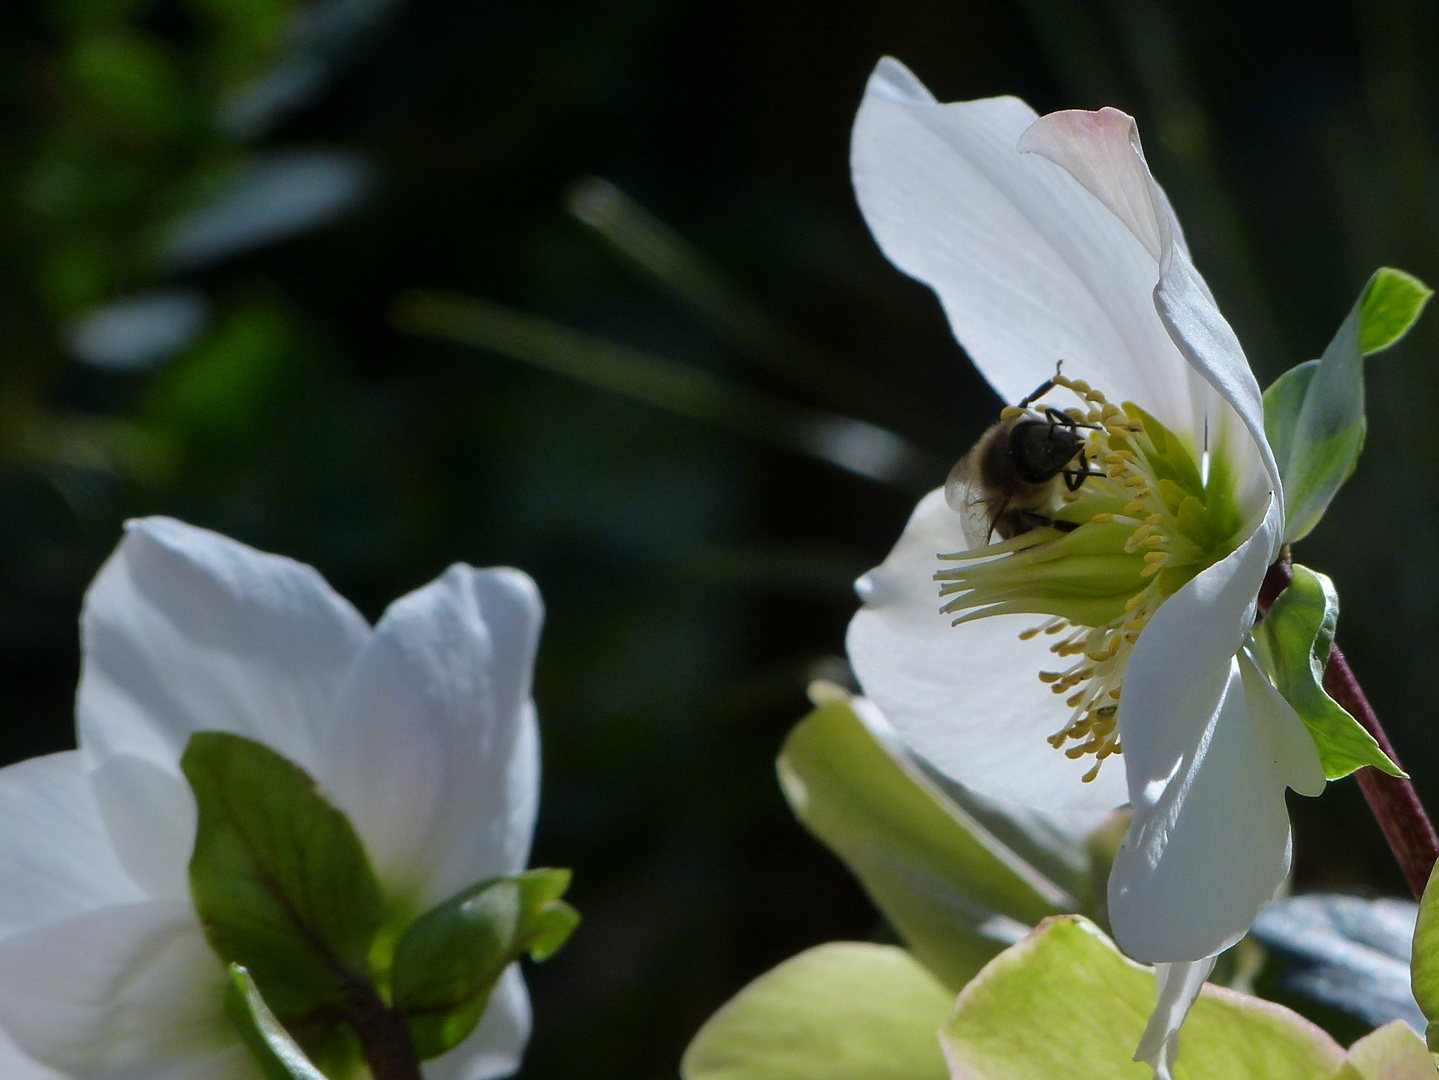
(1392, 799)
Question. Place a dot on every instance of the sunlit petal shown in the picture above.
(436, 760)
(185, 630)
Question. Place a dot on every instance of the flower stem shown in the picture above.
(1392, 799)
(384, 1036)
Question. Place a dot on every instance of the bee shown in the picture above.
(1009, 481)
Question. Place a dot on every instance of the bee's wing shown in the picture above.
(965, 496)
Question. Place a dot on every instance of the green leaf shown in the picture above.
(278, 1055)
(1392, 1052)
(1065, 1003)
(1314, 413)
(955, 893)
(1293, 642)
(1392, 303)
(842, 1011)
(451, 957)
(1424, 968)
(278, 876)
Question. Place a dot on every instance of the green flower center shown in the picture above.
(1143, 523)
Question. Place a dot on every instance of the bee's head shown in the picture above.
(1042, 448)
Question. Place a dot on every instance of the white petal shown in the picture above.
(497, 1044)
(17, 1065)
(966, 698)
(1030, 267)
(150, 817)
(1209, 842)
(119, 993)
(55, 856)
(1101, 150)
(186, 630)
(436, 759)
(1176, 989)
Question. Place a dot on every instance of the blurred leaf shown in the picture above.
(1314, 413)
(1065, 1003)
(1393, 1052)
(451, 957)
(1294, 640)
(842, 1011)
(220, 385)
(139, 331)
(1345, 952)
(952, 890)
(278, 877)
(277, 1054)
(130, 83)
(268, 199)
(854, 445)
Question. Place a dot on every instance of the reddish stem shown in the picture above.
(1392, 799)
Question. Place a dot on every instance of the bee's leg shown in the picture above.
(1028, 519)
(1059, 419)
(1045, 388)
(1074, 478)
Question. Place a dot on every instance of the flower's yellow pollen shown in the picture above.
(1098, 584)
(1011, 412)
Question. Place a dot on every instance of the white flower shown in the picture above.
(420, 729)
(1047, 239)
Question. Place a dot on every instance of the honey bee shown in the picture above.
(1009, 481)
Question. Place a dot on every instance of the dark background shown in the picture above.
(696, 576)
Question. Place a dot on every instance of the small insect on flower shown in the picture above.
(1009, 482)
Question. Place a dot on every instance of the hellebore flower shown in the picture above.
(421, 729)
(1047, 239)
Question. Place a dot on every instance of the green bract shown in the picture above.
(1392, 1052)
(843, 1011)
(287, 895)
(278, 1055)
(1314, 413)
(278, 876)
(450, 959)
(941, 877)
(1424, 972)
(1065, 1003)
(1293, 641)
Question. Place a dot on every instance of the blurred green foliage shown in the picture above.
(696, 572)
